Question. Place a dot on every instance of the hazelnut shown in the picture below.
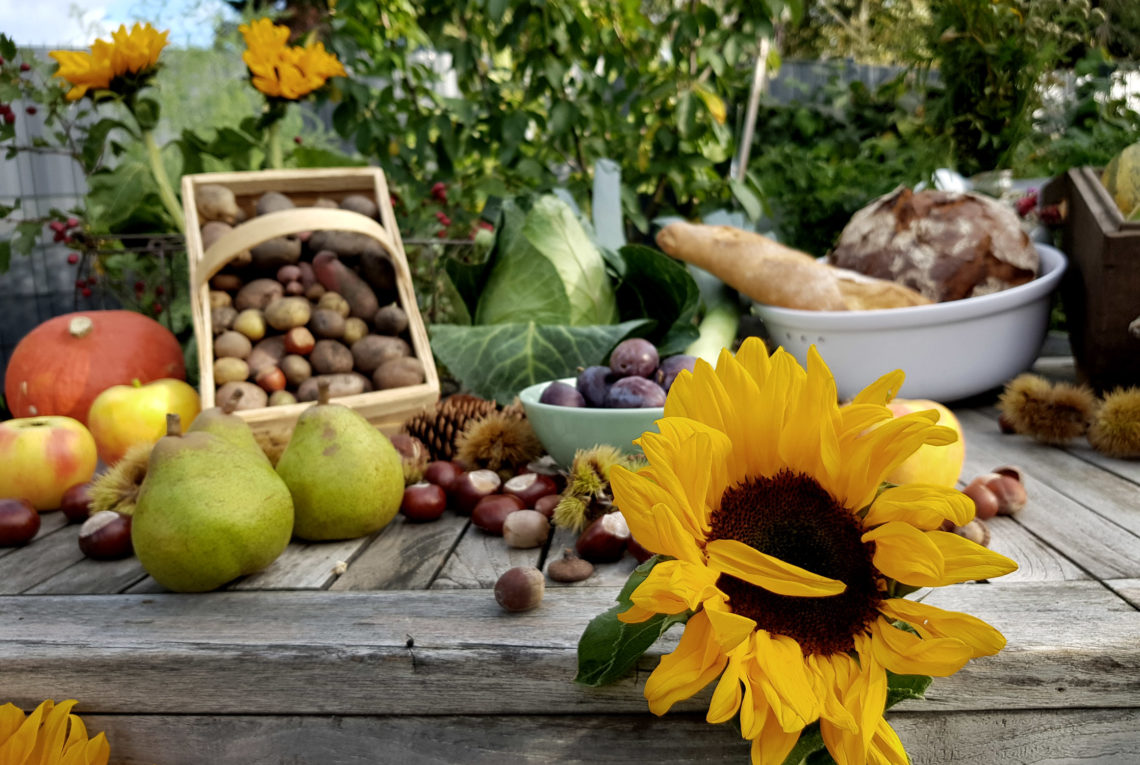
(524, 529)
(976, 531)
(106, 535)
(470, 487)
(299, 340)
(530, 487)
(520, 588)
(423, 501)
(604, 540)
(19, 522)
(76, 502)
(985, 503)
(490, 512)
(1009, 492)
(569, 568)
(271, 379)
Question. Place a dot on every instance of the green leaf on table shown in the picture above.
(609, 648)
(498, 360)
(903, 687)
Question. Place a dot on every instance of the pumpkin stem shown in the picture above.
(173, 425)
(232, 402)
(322, 392)
(80, 326)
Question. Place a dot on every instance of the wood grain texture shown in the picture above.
(49, 524)
(480, 559)
(43, 557)
(1129, 589)
(1018, 737)
(1071, 644)
(405, 556)
(304, 566)
(92, 577)
(1037, 561)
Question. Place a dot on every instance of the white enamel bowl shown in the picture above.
(948, 350)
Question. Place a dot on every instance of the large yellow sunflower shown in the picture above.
(766, 496)
(132, 52)
(45, 737)
(284, 71)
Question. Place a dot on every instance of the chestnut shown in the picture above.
(470, 487)
(525, 529)
(520, 588)
(441, 473)
(530, 487)
(76, 502)
(546, 505)
(491, 511)
(639, 553)
(604, 540)
(106, 535)
(19, 522)
(423, 501)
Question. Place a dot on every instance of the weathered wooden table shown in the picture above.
(404, 656)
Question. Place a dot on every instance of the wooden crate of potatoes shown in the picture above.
(298, 276)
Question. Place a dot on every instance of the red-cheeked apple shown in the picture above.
(42, 457)
(125, 415)
(939, 465)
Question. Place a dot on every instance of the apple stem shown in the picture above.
(232, 402)
(80, 326)
(173, 425)
(322, 392)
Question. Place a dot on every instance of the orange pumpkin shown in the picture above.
(63, 364)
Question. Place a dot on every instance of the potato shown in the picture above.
(295, 289)
(232, 344)
(330, 357)
(327, 203)
(222, 318)
(258, 294)
(307, 277)
(288, 312)
(267, 353)
(251, 323)
(277, 252)
(213, 231)
(379, 272)
(398, 373)
(327, 323)
(229, 369)
(359, 203)
(216, 202)
(347, 244)
(224, 281)
(218, 299)
(390, 320)
(370, 352)
(315, 291)
(289, 273)
(338, 277)
(297, 369)
(334, 301)
(252, 397)
(348, 384)
(282, 398)
(354, 329)
(273, 201)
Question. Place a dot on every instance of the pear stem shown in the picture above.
(173, 425)
(232, 402)
(322, 392)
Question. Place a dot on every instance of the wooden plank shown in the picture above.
(1037, 562)
(612, 575)
(1071, 645)
(92, 577)
(1129, 589)
(1018, 737)
(304, 566)
(1085, 536)
(46, 555)
(1108, 495)
(49, 524)
(405, 556)
(480, 559)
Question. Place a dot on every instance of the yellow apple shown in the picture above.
(42, 457)
(939, 465)
(125, 415)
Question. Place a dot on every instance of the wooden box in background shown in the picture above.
(387, 409)
(1101, 289)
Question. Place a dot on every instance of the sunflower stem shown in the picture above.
(275, 156)
(165, 190)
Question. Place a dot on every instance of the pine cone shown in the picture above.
(439, 428)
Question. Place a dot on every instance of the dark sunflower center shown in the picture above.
(789, 516)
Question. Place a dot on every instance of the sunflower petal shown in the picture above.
(778, 669)
(905, 653)
(925, 506)
(735, 558)
(966, 560)
(53, 733)
(931, 621)
(692, 665)
(20, 745)
(98, 750)
(652, 516)
(729, 629)
(906, 554)
(812, 446)
(635, 614)
(753, 356)
(886, 749)
(728, 694)
(883, 390)
(832, 711)
(11, 718)
(773, 745)
(675, 586)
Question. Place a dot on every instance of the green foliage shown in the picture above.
(879, 31)
(545, 90)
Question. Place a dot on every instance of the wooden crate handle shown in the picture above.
(282, 223)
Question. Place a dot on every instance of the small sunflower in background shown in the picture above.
(50, 735)
(766, 500)
(124, 63)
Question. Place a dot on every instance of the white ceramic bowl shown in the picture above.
(948, 350)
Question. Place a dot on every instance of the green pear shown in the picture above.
(346, 478)
(223, 423)
(208, 512)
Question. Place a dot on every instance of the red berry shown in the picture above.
(159, 290)
(56, 226)
(439, 192)
(157, 308)
(1, 61)
(86, 292)
(297, 140)
(9, 117)
(139, 286)
(80, 283)
(442, 233)
(72, 222)
(30, 110)
(1026, 204)
(73, 258)
(443, 219)
(484, 224)
(25, 67)
(92, 281)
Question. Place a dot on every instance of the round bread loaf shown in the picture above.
(945, 245)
